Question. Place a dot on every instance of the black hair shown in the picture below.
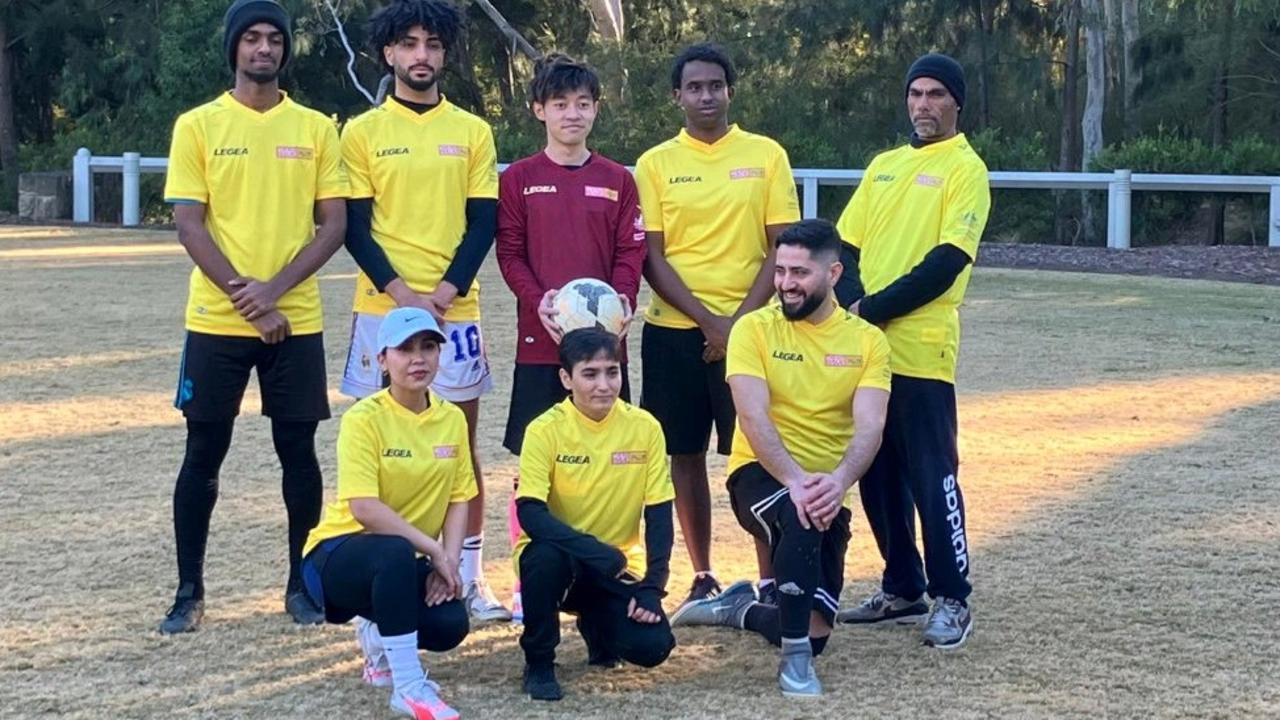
(703, 52)
(393, 22)
(584, 344)
(557, 74)
(816, 235)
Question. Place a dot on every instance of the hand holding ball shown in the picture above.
(584, 303)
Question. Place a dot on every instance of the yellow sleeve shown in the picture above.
(356, 159)
(783, 205)
(853, 221)
(359, 450)
(649, 186)
(964, 214)
(482, 172)
(743, 356)
(331, 176)
(185, 179)
(537, 458)
(657, 487)
(464, 481)
(876, 370)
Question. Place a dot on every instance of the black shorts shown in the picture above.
(214, 372)
(534, 390)
(758, 501)
(687, 395)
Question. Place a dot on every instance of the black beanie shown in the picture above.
(943, 69)
(244, 14)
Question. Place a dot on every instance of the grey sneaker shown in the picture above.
(725, 608)
(304, 612)
(883, 606)
(482, 605)
(797, 678)
(949, 624)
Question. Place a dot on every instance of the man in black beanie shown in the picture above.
(251, 175)
(912, 230)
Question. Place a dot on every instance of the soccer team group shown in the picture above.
(823, 356)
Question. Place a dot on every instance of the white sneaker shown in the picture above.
(517, 608)
(482, 605)
(377, 669)
(421, 701)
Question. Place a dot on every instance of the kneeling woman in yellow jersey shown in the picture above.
(591, 468)
(386, 551)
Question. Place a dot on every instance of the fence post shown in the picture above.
(81, 187)
(1273, 223)
(810, 197)
(130, 175)
(1119, 198)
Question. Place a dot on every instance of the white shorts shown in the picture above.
(464, 367)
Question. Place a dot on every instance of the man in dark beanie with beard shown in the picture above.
(912, 230)
(251, 176)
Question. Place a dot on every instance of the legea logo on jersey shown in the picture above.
(540, 189)
(846, 361)
(387, 152)
(446, 452)
(566, 459)
(397, 453)
(746, 173)
(883, 177)
(630, 457)
(928, 180)
(600, 192)
(231, 151)
(682, 179)
(293, 152)
(454, 151)
(788, 356)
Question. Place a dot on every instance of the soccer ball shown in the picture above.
(586, 303)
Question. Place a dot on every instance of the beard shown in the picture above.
(262, 78)
(404, 76)
(805, 308)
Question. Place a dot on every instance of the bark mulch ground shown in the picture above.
(1230, 263)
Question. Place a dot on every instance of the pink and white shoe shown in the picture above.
(517, 608)
(377, 669)
(420, 701)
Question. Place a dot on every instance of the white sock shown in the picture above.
(471, 568)
(402, 656)
(797, 646)
(765, 583)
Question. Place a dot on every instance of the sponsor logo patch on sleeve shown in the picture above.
(293, 152)
(849, 361)
(630, 457)
(638, 235)
(928, 180)
(446, 452)
(454, 151)
(745, 173)
(596, 191)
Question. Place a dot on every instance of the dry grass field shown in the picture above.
(1119, 442)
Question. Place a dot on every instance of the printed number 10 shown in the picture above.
(473, 344)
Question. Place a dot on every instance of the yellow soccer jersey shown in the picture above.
(420, 170)
(417, 464)
(260, 175)
(596, 477)
(812, 372)
(910, 201)
(712, 203)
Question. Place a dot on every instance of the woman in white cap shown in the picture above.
(387, 549)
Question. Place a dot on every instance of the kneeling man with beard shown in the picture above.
(810, 382)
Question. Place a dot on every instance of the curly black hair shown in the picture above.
(392, 22)
(557, 74)
(704, 52)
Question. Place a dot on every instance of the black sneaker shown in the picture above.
(597, 656)
(703, 587)
(304, 612)
(881, 607)
(185, 614)
(540, 682)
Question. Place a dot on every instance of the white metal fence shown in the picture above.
(1119, 185)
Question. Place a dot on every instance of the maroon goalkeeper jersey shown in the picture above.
(556, 224)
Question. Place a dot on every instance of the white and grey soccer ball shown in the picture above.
(587, 303)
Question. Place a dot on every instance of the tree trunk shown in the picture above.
(1068, 154)
(606, 18)
(1095, 96)
(8, 131)
(984, 77)
(1218, 112)
(470, 96)
(1132, 74)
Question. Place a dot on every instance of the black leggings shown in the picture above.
(196, 492)
(379, 577)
